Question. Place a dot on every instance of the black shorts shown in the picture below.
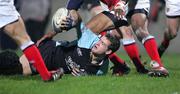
(117, 22)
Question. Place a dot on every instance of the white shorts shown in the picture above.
(8, 14)
(172, 7)
(143, 4)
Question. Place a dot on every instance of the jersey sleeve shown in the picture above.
(87, 38)
(74, 4)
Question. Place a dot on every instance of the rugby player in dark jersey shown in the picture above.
(74, 57)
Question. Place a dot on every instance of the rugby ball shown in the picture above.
(57, 19)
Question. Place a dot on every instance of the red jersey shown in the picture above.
(110, 3)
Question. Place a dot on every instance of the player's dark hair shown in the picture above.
(9, 63)
(115, 43)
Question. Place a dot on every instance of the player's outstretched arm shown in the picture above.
(49, 35)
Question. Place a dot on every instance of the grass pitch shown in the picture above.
(132, 83)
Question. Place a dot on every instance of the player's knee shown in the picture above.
(170, 34)
(173, 35)
(127, 34)
(141, 34)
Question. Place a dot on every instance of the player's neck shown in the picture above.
(97, 57)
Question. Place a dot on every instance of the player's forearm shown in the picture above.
(51, 34)
(25, 65)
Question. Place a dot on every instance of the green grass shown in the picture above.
(133, 83)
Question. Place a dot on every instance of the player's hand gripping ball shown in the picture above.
(57, 20)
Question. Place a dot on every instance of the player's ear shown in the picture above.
(108, 52)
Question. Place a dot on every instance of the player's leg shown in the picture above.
(139, 22)
(173, 18)
(131, 48)
(104, 21)
(95, 22)
(169, 34)
(17, 31)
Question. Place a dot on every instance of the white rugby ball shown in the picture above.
(57, 19)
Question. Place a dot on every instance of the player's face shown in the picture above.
(101, 47)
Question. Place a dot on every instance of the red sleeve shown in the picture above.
(110, 3)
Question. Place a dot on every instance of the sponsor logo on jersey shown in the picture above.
(79, 52)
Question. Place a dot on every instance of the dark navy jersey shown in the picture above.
(64, 54)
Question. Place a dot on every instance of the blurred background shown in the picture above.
(37, 16)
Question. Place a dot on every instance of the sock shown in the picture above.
(165, 43)
(33, 55)
(115, 59)
(151, 48)
(119, 65)
(133, 52)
